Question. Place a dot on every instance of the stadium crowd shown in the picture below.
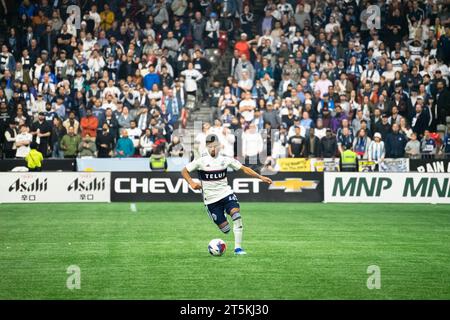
(320, 76)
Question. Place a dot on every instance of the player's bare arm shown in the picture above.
(194, 185)
(250, 172)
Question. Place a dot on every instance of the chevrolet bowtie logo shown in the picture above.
(294, 185)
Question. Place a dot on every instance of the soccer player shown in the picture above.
(217, 194)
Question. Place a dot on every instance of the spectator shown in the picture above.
(124, 147)
(151, 78)
(252, 146)
(296, 144)
(243, 46)
(105, 142)
(70, 143)
(175, 148)
(71, 121)
(134, 133)
(395, 143)
(441, 104)
(87, 147)
(412, 148)
(312, 148)
(383, 127)
(420, 120)
(10, 140)
(345, 140)
(361, 144)
(41, 131)
(23, 141)
(125, 118)
(427, 145)
(89, 124)
(58, 132)
(192, 77)
(146, 143)
(376, 151)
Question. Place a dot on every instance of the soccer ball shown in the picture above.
(217, 247)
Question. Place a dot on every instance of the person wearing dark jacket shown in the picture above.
(328, 145)
(105, 142)
(442, 102)
(421, 119)
(383, 126)
(312, 145)
(10, 140)
(395, 143)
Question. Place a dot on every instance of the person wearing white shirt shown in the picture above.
(227, 139)
(93, 15)
(288, 105)
(323, 84)
(95, 62)
(247, 107)
(200, 139)
(111, 89)
(88, 44)
(370, 74)
(109, 103)
(376, 150)
(36, 70)
(246, 84)
(146, 143)
(23, 141)
(134, 133)
(330, 27)
(285, 8)
(192, 76)
(389, 74)
(163, 63)
(252, 145)
(319, 130)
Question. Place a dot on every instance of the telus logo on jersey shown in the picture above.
(37, 185)
(80, 184)
(212, 175)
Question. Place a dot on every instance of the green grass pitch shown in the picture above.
(295, 251)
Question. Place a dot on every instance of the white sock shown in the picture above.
(237, 230)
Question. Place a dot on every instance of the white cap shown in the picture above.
(377, 135)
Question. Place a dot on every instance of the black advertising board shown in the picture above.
(430, 165)
(170, 186)
(47, 164)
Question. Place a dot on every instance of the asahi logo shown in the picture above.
(37, 185)
(87, 185)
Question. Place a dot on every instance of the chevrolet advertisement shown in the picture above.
(170, 186)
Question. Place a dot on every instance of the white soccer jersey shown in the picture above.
(213, 175)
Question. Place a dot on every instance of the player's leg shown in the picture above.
(233, 209)
(216, 213)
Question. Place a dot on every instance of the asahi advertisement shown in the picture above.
(170, 186)
(26, 187)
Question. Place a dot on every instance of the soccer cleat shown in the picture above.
(239, 251)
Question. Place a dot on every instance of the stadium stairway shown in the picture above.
(202, 112)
